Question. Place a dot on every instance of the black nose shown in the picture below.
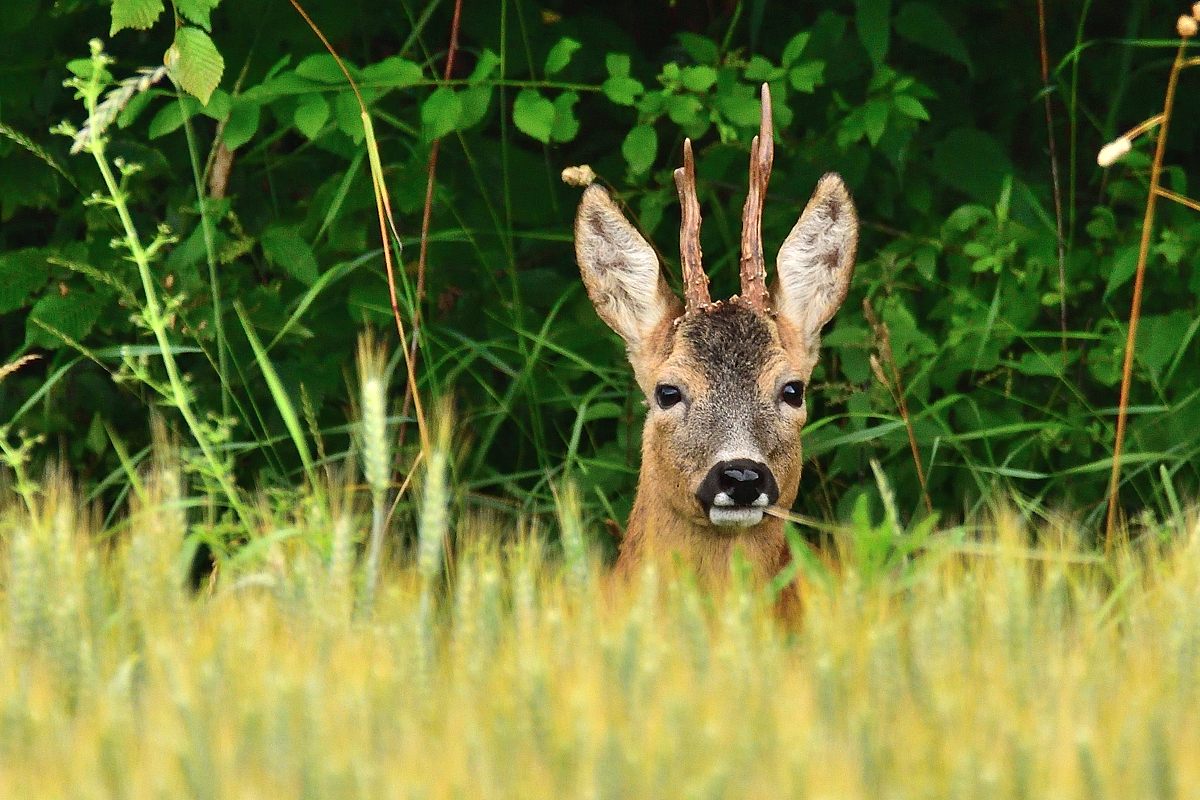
(739, 482)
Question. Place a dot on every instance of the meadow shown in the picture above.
(1003, 660)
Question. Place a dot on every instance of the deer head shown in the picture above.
(724, 381)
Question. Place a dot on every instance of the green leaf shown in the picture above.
(873, 20)
(170, 117)
(740, 109)
(566, 124)
(195, 63)
(72, 316)
(311, 115)
(560, 55)
(639, 148)
(348, 114)
(392, 72)
(684, 109)
(760, 69)
(702, 49)
(808, 76)
(697, 79)
(972, 162)
(910, 106)
(475, 103)
(21, 273)
(922, 24)
(794, 48)
(440, 113)
(197, 11)
(484, 67)
(285, 249)
(242, 124)
(617, 64)
(623, 91)
(875, 115)
(534, 115)
(139, 14)
(323, 68)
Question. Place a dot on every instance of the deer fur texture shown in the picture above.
(722, 433)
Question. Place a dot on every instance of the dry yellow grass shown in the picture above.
(1007, 672)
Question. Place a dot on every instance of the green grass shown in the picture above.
(994, 661)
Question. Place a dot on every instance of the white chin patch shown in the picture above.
(735, 517)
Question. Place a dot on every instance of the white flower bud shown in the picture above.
(1114, 151)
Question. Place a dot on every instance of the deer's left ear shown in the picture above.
(816, 261)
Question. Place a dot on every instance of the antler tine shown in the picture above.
(695, 282)
(753, 268)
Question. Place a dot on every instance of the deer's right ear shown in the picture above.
(620, 270)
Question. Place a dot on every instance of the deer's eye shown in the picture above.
(792, 393)
(667, 395)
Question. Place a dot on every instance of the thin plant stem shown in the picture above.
(1054, 179)
(1136, 305)
(155, 321)
(383, 209)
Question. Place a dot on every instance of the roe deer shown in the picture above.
(724, 381)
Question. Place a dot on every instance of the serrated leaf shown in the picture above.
(195, 63)
(242, 123)
(794, 48)
(534, 115)
(697, 79)
(393, 72)
(566, 124)
(873, 20)
(138, 14)
(285, 248)
(624, 91)
(197, 11)
(311, 115)
(560, 55)
(440, 113)
(72, 316)
(640, 148)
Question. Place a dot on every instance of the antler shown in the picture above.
(695, 282)
(762, 153)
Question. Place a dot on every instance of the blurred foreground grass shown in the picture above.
(994, 663)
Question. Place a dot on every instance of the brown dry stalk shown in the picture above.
(895, 386)
(9, 369)
(762, 153)
(1058, 211)
(383, 210)
(695, 282)
(1135, 310)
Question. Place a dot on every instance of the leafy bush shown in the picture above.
(932, 111)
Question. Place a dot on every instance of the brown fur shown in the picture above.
(730, 361)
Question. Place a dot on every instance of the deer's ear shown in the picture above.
(620, 270)
(816, 261)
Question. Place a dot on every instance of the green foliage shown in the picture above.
(930, 110)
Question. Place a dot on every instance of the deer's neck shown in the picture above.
(657, 530)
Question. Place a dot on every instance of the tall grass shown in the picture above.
(995, 662)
